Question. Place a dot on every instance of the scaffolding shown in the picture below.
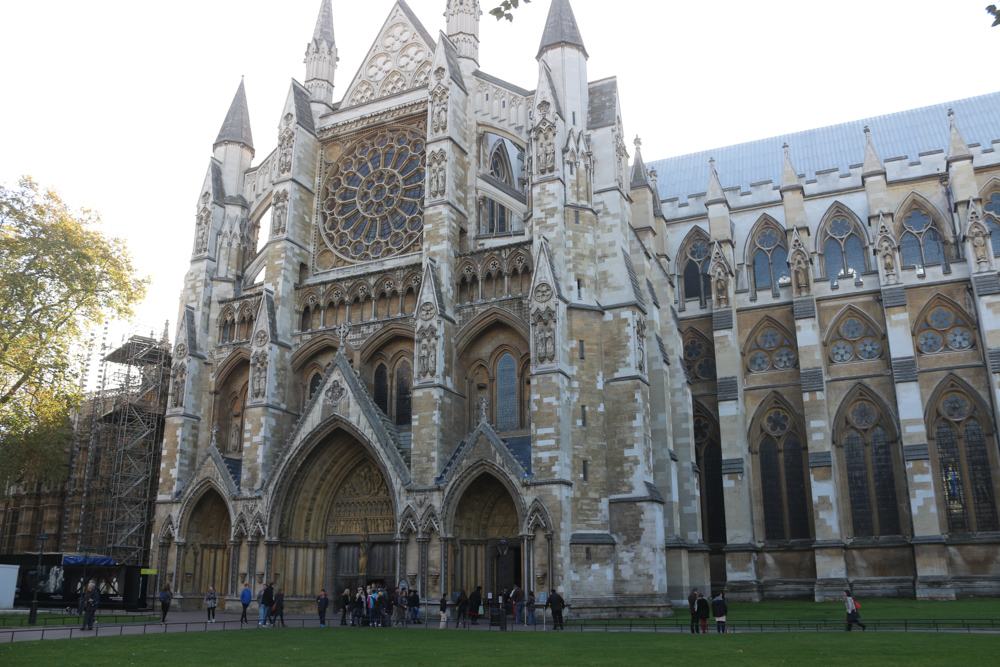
(115, 459)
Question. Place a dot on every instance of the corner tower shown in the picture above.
(463, 27)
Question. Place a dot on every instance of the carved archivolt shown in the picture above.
(363, 504)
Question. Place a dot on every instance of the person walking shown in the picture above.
(693, 608)
(211, 601)
(463, 610)
(91, 598)
(374, 620)
(703, 613)
(719, 610)
(415, 606)
(267, 604)
(345, 603)
(853, 612)
(517, 597)
(529, 609)
(475, 602)
(279, 608)
(557, 604)
(402, 602)
(166, 595)
(261, 609)
(246, 597)
(322, 602)
(444, 611)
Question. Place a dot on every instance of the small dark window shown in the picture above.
(504, 104)
(588, 553)
(570, 168)
(487, 97)
(404, 378)
(574, 118)
(382, 388)
(576, 217)
(585, 471)
(581, 349)
(579, 288)
(583, 415)
(314, 383)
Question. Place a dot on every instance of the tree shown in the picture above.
(59, 275)
(503, 10)
(991, 10)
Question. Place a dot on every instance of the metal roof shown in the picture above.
(903, 134)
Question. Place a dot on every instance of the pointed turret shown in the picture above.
(321, 56)
(236, 127)
(639, 176)
(957, 148)
(789, 177)
(561, 29)
(714, 194)
(463, 27)
(873, 163)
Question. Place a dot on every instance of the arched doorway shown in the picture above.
(488, 549)
(206, 554)
(337, 521)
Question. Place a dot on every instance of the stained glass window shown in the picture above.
(921, 243)
(992, 215)
(962, 448)
(843, 249)
(771, 350)
(944, 329)
(770, 259)
(699, 356)
(885, 482)
(854, 340)
(382, 388)
(404, 380)
(692, 280)
(506, 393)
(795, 488)
(715, 501)
(770, 486)
(857, 481)
(783, 479)
(697, 283)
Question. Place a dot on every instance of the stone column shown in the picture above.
(423, 553)
(234, 567)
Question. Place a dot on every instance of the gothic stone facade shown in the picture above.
(444, 334)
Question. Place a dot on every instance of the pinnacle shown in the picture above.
(324, 25)
(561, 28)
(236, 126)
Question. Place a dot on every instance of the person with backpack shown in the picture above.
(322, 602)
(853, 612)
(529, 610)
(211, 602)
(703, 613)
(719, 610)
(166, 595)
(246, 597)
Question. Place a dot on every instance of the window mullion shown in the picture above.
(870, 465)
(784, 489)
(970, 499)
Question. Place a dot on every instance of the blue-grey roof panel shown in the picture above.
(902, 134)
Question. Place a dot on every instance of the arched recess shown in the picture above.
(841, 243)
(853, 336)
(324, 342)
(766, 256)
(780, 491)
(384, 336)
(693, 257)
(334, 512)
(964, 462)
(942, 326)
(923, 232)
(770, 347)
(699, 355)
(870, 458)
(231, 385)
(486, 319)
(207, 531)
(708, 446)
(485, 513)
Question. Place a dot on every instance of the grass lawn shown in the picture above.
(46, 619)
(413, 648)
(880, 608)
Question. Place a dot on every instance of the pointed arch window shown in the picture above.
(404, 380)
(506, 393)
(770, 260)
(962, 447)
(228, 327)
(871, 469)
(854, 340)
(697, 283)
(713, 502)
(992, 208)
(771, 349)
(780, 455)
(921, 243)
(944, 329)
(843, 249)
(381, 388)
(699, 356)
(314, 384)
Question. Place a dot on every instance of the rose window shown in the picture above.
(373, 197)
(944, 330)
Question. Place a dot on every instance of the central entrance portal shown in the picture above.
(488, 551)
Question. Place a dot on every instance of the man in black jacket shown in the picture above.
(517, 597)
(90, 599)
(557, 603)
(719, 610)
(267, 600)
(322, 603)
(693, 608)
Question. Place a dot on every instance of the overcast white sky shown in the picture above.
(116, 103)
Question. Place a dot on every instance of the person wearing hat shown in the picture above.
(557, 603)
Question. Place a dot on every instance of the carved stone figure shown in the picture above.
(426, 310)
(422, 367)
(483, 410)
(801, 275)
(337, 394)
(287, 142)
(640, 339)
(549, 153)
(236, 434)
(979, 247)
(179, 377)
(279, 213)
(259, 374)
(545, 337)
(204, 226)
(888, 262)
(439, 111)
(721, 281)
(437, 177)
(432, 356)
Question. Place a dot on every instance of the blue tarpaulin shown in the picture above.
(89, 560)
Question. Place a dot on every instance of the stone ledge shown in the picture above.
(916, 453)
(592, 538)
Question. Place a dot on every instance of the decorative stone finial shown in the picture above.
(215, 433)
(637, 142)
(867, 131)
(342, 332)
(951, 114)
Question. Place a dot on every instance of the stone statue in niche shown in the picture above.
(437, 177)
(545, 337)
(439, 111)
(259, 374)
(801, 271)
(236, 434)
(204, 226)
(432, 356)
(482, 410)
(640, 339)
(721, 282)
(548, 154)
(979, 248)
(287, 141)
(279, 213)
(888, 262)
(179, 376)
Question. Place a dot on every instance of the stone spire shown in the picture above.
(639, 176)
(561, 29)
(789, 177)
(321, 56)
(463, 27)
(236, 127)
(873, 163)
(957, 148)
(714, 195)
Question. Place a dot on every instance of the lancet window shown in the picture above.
(992, 217)
(780, 460)
(709, 451)
(843, 249)
(769, 253)
(507, 393)
(920, 243)
(697, 282)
